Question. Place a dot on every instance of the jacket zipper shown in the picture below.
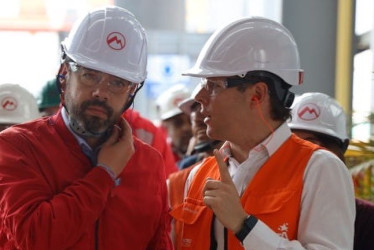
(97, 235)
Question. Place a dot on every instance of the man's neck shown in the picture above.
(240, 149)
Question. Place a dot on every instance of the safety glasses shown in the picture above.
(92, 78)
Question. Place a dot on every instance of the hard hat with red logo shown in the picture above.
(110, 40)
(17, 104)
(319, 113)
(167, 102)
(250, 44)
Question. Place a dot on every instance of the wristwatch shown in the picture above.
(248, 224)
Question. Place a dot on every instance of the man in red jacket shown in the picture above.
(79, 179)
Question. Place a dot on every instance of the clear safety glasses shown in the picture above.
(93, 78)
(216, 86)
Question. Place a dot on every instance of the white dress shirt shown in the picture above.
(327, 203)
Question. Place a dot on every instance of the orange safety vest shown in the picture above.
(273, 196)
(177, 183)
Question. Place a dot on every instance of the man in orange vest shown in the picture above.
(266, 188)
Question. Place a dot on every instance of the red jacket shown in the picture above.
(51, 197)
(149, 133)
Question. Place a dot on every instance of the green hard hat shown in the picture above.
(49, 95)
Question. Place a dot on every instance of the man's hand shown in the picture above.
(223, 198)
(118, 149)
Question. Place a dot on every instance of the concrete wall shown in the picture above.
(313, 24)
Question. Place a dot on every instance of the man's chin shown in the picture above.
(210, 133)
(95, 128)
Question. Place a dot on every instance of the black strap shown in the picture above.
(225, 239)
(213, 241)
(248, 224)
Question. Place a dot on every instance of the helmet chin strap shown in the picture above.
(74, 125)
(132, 97)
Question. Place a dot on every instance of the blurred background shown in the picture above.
(334, 39)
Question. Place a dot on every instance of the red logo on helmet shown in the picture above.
(309, 112)
(9, 103)
(116, 41)
(177, 100)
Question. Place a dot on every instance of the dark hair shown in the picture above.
(334, 144)
(280, 97)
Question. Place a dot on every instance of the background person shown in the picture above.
(79, 179)
(266, 187)
(148, 132)
(176, 124)
(49, 98)
(18, 105)
(200, 145)
(320, 119)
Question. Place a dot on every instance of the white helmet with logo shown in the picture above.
(167, 102)
(110, 40)
(17, 104)
(250, 44)
(319, 113)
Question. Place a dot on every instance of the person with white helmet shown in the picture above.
(18, 105)
(320, 119)
(79, 179)
(265, 188)
(200, 145)
(176, 124)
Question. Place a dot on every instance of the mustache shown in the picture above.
(99, 103)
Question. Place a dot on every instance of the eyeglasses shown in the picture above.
(216, 86)
(91, 78)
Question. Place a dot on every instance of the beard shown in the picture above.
(90, 125)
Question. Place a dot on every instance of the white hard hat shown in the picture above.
(246, 45)
(319, 113)
(109, 40)
(17, 104)
(186, 104)
(167, 102)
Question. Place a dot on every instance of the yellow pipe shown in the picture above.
(343, 71)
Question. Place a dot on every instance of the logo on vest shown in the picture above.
(186, 242)
(283, 229)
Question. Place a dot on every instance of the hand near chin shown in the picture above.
(117, 150)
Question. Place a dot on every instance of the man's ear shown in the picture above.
(61, 81)
(61, 77)
(259, 93)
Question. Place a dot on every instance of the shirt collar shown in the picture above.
(270, 144)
